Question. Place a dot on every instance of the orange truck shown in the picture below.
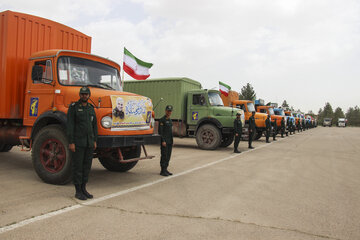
(232, 100)
(43, 66)
(268, 109)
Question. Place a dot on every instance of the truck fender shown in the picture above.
(46, 118)
(213, 121)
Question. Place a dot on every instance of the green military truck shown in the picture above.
(198, 112)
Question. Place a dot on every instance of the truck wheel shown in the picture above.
(227, 140)
(5, 147)
(111, 161)
(51, 157)
(208, 137)
(258, 135)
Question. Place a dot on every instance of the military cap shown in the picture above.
(238, 114)
(84, 89)
(169, 108)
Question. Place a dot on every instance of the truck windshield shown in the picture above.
(251, 107)
(279, 112)
(271, 111)
(73, 71)
(215, 99)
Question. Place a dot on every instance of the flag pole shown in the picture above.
(122, 82)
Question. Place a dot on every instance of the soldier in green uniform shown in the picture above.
(298, 125)
(268, 128)
(237, 132)
(82, 136)
(165, 131)
(282, 127)
(288, 123)
(303, 124)
(251, 129)
(274, 130)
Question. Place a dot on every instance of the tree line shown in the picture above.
(352, 115)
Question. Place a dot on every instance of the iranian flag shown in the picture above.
(135, 67)
(224, 88)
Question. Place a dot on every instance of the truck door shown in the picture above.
(39, 95)
(197, 108)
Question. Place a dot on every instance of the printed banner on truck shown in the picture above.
(130, 112)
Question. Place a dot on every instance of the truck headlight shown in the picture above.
(106, 122)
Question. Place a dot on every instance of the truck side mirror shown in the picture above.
(36, 74)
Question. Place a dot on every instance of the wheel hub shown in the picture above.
(53, 155)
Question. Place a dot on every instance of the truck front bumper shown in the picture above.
(126, 141)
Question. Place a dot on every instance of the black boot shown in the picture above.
(236, 151)
(163, 172)
(79, 194)
(86, 193)
(168, 173)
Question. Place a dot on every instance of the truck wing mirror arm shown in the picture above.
(160, 100)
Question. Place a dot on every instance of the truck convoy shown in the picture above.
(197, 112)
(43, 66)
(268, 109)
(232, 100)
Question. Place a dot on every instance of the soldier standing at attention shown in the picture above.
(298, 126)
(165, 131)
(268, 128)
(282, 127)
(275, 130)
(288, 123)
(237, 132)
(82, 135)
(251, 129)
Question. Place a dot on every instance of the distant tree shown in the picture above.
(320, 117)
(247, 92)
(353, 116)
(285, 105)
(327, 112)
(338, 114)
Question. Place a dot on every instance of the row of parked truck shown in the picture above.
(44, 64)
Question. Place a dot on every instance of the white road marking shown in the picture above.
(123, 192)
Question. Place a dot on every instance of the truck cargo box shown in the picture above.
(172, 90)
(21, 35)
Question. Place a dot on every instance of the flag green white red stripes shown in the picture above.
(224, 88)
(135, 67)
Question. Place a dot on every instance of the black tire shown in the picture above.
(227, 140)
(257, 135)
(111, 161)
(51, 157)
(208, 137)
(5, 147)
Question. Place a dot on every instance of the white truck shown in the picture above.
(341, 122)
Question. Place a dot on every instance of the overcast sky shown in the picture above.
(304, 51)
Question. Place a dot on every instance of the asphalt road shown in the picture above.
(305, 186)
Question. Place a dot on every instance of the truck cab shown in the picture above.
(205, 109)
(327, 122)
(281, 112)
(341, 122)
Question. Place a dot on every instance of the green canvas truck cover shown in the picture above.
(172, 90)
